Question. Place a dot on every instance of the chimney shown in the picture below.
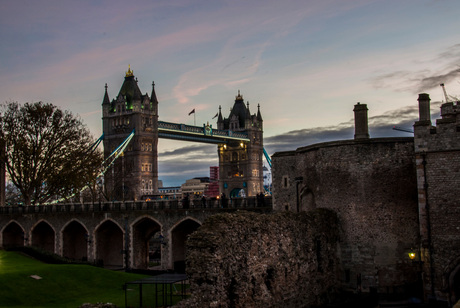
(361, 125)
(424, 107)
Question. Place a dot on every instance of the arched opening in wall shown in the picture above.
(109, 245)
(237, 192)
(13, 235)
(75, 241)
(307, 200)
(156, 243)
(43, 236)
(143, 230)
(179, 235)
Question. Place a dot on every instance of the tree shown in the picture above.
(47, 151)
(12, 195)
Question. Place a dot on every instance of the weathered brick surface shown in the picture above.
(371, 186)
(263, 260)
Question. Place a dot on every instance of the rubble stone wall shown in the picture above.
(263, 260)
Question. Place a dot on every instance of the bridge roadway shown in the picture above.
(116, 234)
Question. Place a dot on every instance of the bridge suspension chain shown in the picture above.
(106, 164)
(110, 160)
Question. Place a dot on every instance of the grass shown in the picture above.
(62, 285)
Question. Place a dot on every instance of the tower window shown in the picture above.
(285, 181)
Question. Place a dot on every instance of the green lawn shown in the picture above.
(61, 285)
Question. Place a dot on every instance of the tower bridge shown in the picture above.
(239, 139)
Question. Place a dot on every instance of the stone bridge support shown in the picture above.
(115, 235)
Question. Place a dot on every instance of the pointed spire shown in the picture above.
(220, 119)
(153, 97)
(106, 99)
(259, 116)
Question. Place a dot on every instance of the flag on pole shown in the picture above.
(217, 114)
(193, 111)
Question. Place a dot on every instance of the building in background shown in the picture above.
(213, 188)
(194, 188)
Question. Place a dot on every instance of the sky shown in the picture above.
(307, 63)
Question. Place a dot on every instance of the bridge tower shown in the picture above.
(135, 174)
(240, 163)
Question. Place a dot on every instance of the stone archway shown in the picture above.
(307, 200)
(75, 241)
(143, 231)
(179, 234)
(13, 235)
(237, 192)
(109, 244)
(43, 236)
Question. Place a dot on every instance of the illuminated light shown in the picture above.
(225, 146)
(242, 144)
(412, 255)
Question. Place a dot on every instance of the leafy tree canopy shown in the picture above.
(47, 151)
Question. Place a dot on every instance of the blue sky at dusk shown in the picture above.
(305, 62)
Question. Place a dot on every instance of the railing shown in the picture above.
(117, 206)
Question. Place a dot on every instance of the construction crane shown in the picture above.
(445, 92)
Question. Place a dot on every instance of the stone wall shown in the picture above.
(437, 150)
(371, 185)
(263, 260)
(131, 222)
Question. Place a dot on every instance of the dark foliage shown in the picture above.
(47, 151)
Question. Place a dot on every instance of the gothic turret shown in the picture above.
(220, 119)
(106, 103)
(154, 100)
(259, 116)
